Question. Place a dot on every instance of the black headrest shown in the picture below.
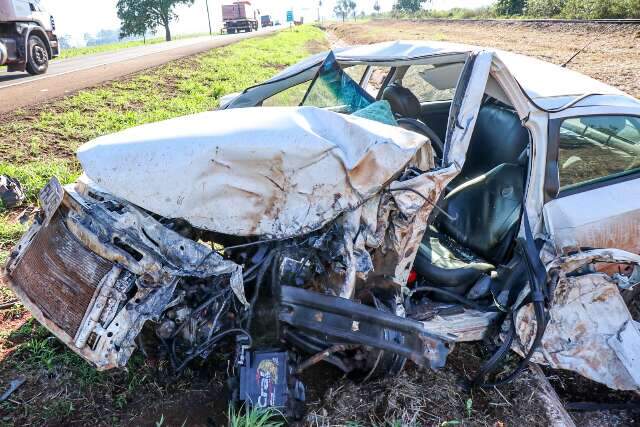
(403, 102)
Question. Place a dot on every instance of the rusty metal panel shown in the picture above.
(60, 275)
(612, 219)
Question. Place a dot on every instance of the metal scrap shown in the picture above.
(11, 192)
(13, 386)
(590, 329)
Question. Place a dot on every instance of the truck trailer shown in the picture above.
(27, 36)
(265, 21)
(239, 16)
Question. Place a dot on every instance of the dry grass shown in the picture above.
(429, 398)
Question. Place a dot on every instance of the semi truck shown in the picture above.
(265, 21)
(27, 36)
(240, 16)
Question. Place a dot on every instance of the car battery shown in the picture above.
(267, 380)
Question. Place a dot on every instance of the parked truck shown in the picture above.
(239, 16)
(27, 36)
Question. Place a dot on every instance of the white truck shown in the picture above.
(27, 36)
(239, 16)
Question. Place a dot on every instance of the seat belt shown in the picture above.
(538, 296)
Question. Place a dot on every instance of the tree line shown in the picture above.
(571, 9)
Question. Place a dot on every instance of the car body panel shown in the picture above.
(604, 217)
(285, 171)
(590, 330)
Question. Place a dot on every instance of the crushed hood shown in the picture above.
(274, 172)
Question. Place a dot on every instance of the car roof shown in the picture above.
(543, 81)
(539, 78)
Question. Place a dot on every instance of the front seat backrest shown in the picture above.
(403, 102)
(498, 137)
(486, 211)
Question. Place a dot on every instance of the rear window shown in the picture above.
(598, 148)
(377, 77)
(433, 82)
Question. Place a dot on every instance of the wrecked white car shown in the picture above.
(365, 207)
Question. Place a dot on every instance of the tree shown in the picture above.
(376, 6)
(344, 8)
(138, 16)
(545, 8)
(510, 7)
(409, 5)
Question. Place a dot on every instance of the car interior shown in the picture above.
(475, 230)
(471, 237)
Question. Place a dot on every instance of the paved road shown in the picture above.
(69, 75)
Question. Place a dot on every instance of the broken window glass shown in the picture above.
(333, 88)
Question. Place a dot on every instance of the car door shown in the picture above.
(593, 181)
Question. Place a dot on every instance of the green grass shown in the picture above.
(255, 417)
(34, 175)
(10, 232)
(40, 143)
(183, 87)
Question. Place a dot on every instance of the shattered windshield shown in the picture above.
(333, 88)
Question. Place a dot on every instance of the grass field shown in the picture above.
(40, 142)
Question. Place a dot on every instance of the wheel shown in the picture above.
(231, 31)
(38, 61)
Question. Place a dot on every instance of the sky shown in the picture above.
(77, 17)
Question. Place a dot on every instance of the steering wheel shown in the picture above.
(419, 127)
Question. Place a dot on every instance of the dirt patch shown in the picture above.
(429, 398)
(611, 54)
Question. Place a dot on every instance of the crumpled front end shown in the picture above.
(335, 210)
(93, 269)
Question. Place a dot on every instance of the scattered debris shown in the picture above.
(15, 384)
(11, 192)
(267, 380)
(9, 304)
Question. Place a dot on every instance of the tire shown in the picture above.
(231, 31)
(38, 60)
